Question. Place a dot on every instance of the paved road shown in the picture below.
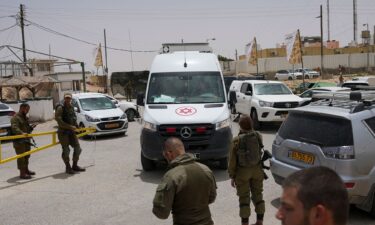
(113, 190)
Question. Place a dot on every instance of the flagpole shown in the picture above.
(256, 53)
(300, 48)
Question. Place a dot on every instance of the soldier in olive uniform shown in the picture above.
(246, 172)
(20, 125)
(67, 123)
(186, 189)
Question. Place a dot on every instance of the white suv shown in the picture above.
(96, 110)
(336, 133)
(264, 101)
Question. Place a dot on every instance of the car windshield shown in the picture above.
(271, 89)
(3, 106)
(328, 130)
(96, 103)
(185, 87)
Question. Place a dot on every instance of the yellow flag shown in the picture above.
(253, 54)
(99, 59)
(296, 56)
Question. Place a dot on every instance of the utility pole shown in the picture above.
(131, 51)
(321, 42)
(83, 76)
(328, 25)
(23, 32)
(106, 63)
(355, 20)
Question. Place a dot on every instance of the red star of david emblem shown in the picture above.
(186, 110)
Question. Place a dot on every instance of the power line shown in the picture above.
(83, 41)
(1, 30)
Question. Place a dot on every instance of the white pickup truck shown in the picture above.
(263, 101)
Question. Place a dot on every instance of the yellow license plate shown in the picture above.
(302, 157)
(111, 125)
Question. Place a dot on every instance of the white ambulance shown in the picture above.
(185, 98)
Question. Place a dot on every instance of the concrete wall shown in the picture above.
(40, 110)
(269, 65)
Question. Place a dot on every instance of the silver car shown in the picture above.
(6, 113)
(339, 134)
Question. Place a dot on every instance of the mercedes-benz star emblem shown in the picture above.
(185, 132)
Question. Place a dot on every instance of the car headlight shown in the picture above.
(91, 119)
(265, 104)
(149, 126)
(123, 116)
(223, 124)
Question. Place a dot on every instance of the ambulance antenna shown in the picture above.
(185, 64)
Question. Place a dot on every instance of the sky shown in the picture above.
(143, 25)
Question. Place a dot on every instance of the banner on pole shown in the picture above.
(99, 58)
(253, 58)
(293, 47)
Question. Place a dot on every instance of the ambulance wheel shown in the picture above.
(147, 164)
(223, 163)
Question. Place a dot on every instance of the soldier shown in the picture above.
(246, 172)
(314, 196)
(67, 123)
(186, 189)
(20, 125)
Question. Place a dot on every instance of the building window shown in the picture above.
(43, 67)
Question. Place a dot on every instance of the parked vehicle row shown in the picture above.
(296, 74)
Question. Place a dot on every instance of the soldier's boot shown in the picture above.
(259, 222)
(259, 219)
(29, 172)
(68, 168)
(24, 175)
(244, 221)
(77, 168)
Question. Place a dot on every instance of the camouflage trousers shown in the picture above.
(23, 162)
(249, 182)
(69, 139)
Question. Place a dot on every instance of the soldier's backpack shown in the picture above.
(250, 149)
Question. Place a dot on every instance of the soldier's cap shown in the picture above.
(67, 95)
(246, 123)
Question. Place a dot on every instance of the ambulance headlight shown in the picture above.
(149, 126)
(223, 124)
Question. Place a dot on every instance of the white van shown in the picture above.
(185, 98)
(96, 110)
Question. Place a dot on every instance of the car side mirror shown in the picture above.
(76, 109)
(250, 93)
(140, 99)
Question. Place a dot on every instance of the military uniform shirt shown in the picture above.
(187, 189)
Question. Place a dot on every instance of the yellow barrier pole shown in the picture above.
(88, 130)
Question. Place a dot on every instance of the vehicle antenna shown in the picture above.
(185, 64)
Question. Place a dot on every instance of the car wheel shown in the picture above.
(254, 117)
(372, 211)
(307, 77)
(223, 163)
(147, 164)
(276, 78)
(130, 113)
(233, 109)
(290, 78)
